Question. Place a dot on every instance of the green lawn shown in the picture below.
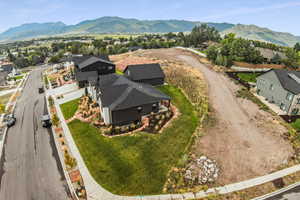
(119, 72)
(69, 109)
(248, 77)
(296, 125)
(16, 77)
(134, 165)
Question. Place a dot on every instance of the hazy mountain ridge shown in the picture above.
(254, 32)
(122, 25)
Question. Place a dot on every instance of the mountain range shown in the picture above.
(123, 25)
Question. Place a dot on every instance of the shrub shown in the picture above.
(55, 120)
(70, 161)
(51, 101)
(2, 108)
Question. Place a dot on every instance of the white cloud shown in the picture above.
(246, 10)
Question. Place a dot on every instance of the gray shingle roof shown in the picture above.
(118, 92)
(91, 61)
(85, 76)
(145, 71)
(287, 82)
(79, 59)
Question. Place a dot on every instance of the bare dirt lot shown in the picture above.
(244, 140)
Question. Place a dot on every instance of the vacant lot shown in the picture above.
(245, 141)
(137, 164)
(70, 108)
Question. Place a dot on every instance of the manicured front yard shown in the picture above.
(136, 165)
(16, 77)
(69, 109)
(248, 77)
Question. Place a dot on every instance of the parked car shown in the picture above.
(10, 120)
(41, 90)
(46, 121)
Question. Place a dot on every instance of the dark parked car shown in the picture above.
(46, 121)
(10, 120)
(41, 90)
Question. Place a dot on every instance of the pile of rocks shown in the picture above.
(202, 171)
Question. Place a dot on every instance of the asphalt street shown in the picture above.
(30, 168)
(291, 194)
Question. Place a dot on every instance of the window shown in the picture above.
(271, 87)
(140, 109)
(110, 67)
(289, 96)
(295, 111)
(154, 106)
(282, 106)
(298, 101)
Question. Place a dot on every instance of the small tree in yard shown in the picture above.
(2, 108)
(51, 101)
(55, 120)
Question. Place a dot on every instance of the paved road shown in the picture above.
(289, 193)
(30, 168)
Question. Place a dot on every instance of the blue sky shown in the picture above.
(279, 15)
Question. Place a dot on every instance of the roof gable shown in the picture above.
(287, 81)
(93, 60)
(118, 92)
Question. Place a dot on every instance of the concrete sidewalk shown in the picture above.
(96, 192)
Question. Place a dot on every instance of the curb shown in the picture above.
(61, 157)
(277, 192)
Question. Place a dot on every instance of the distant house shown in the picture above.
(134, 48)
(7, 68)
(123, 101)
(145, 73)
(86, 66)
(281, 87)
(271, 56)
(3, 76)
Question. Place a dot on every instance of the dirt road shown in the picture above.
(245, 141)
(242, 145)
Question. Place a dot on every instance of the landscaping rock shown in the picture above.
(201, 171)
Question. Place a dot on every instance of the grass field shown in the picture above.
(139, 164)
(248, 77)
(69, 109)
(296, 125)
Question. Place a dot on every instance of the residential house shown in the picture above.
(123, 101)
(3, 76)
(145, 73)
(281, 87)
(87, 65)
(7, 68)
(271, 56)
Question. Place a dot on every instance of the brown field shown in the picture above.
(259, 66)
